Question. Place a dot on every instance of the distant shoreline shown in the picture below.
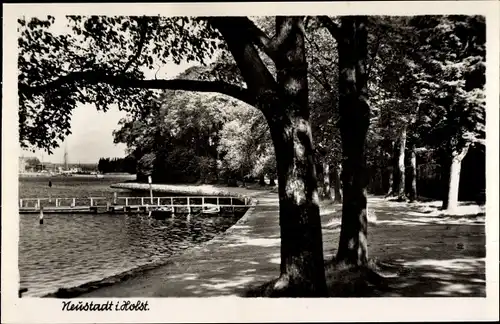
(49, 175)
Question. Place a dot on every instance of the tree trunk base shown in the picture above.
(345, 280)
(390, 195)
(282, 287)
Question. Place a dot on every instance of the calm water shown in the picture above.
(72, 249)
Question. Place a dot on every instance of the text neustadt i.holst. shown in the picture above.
(107, 306)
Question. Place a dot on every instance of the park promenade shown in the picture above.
(420, 249)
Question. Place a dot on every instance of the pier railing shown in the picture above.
(127, 203)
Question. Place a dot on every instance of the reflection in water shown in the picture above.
(71, 249)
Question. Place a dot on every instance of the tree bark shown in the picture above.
(454, 180)
(413, 161)
(336, 184)
(401, 165)
(326, 180)
(354, 122)
(302, 264)
(392, 171)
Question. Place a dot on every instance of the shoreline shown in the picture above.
(75, 291)
(26, 175)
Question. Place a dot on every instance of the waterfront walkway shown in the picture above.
(440, 256)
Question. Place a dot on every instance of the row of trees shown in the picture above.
(123, 165)
(362, 89)
(198, 137)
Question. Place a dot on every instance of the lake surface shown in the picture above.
(71, 249)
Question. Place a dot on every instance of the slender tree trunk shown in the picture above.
(354, 122)
(401, 165)
(326, 180)
(392, 171)
(336, 184)
(272, 183)
(391, 182)
(454, 180)
(413, 161)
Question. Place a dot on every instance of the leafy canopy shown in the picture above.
(54, 54)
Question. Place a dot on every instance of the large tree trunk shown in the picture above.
(401, 164)
(354, 122)
(302, 264)
(413, 162)
(336, 184)
(284, 103)
(326, 180)
(451, 204)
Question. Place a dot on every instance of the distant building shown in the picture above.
(22, 164)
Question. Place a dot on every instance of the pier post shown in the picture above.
(73, 204)
(231, 202)
(115, 198)
(41, 215)
(126, 201)
(158, 201)
(20, 203)
(108, 206)
(38, 203)
(57, 202)
(91, 201)
(142, 201)
(172, 206)
(202, 203)
(188, 206)
(150, 181)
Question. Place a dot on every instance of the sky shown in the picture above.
(92, 130)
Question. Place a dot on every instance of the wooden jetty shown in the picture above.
(177, 205)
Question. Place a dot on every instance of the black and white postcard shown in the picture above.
(194, 162)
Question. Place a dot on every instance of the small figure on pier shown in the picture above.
(50, 184)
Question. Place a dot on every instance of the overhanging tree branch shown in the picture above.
(373, 56)
(323, 83)
(332, 27)
(95, 77)
(245, 27)
(241, 45)
(143, 33)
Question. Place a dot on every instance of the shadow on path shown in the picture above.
(416, 254)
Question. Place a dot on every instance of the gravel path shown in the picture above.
(423, 254)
